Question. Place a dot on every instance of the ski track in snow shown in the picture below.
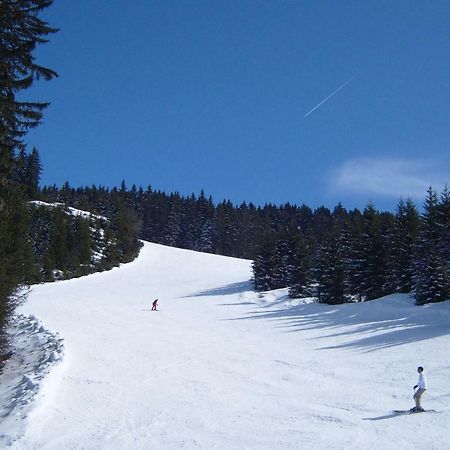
(221, 367)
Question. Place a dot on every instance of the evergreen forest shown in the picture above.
(335, 255)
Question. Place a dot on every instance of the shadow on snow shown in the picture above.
(229, 289)
(391, 415)
(368, 326)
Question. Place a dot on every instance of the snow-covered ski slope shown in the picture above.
(221, 367)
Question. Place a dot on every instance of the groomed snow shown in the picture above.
(221, 367)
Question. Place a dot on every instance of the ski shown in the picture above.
(409, 411)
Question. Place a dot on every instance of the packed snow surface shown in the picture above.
(219, 366)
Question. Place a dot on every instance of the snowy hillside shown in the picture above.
(96, 246)
(67, 242)
(219, 366)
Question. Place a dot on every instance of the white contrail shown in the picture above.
(342, 86)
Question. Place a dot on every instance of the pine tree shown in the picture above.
(58, 241)
(331, 268)
(128, 226)
(432, 282)
(444, 225)
(111, 251)
(431, 278)
(301, 274)
(356, 256)
(368, 258)
(174, 224)
(33, 172)
(263, 264)
(191, 223)
(391, 245)
(281, 262)
(83, 239)
(21, 31)
(400, 248)
(205, 242)
(226, 229)
(20, 167)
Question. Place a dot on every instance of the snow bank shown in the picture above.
(34, 351)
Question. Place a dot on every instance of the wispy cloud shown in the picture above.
(388, 176)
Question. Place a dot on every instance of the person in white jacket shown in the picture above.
(421, 387)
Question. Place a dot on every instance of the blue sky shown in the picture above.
(191, 95)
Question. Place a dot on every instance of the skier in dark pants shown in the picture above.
(154, 305)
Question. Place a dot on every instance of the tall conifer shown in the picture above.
(21, 30)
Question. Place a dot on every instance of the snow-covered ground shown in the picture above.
(34, 351)
(221, 367)
(69, 210)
